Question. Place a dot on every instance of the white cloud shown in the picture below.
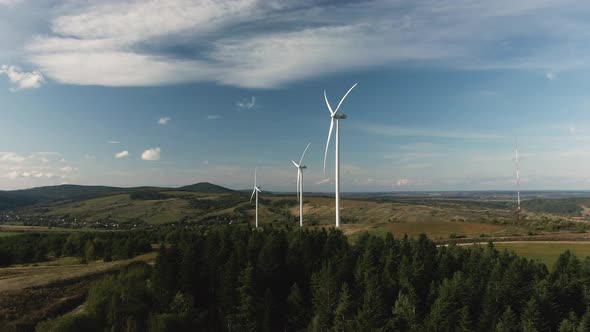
(247, 103)
(9, 2)
(213, 116)
(322, 181)
(130, 39)
(151, 154)
(122, 154)
(22, 80)
(400, 131)
(12, 157)
(402, 182)
(34, 174)
(89, 157)
(68, 169)
(164, 120)
(113, 142)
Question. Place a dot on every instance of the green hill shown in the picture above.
(206, 187)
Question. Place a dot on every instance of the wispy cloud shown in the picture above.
(247, 103)
(35, 174)
(151, 154)
(113, 142)
(313, 39)
(164, 120)
(322, 181)
(213, 116)
(22, 80)
(68, 169)
(9, 2)
(399, 131)
(122, 154)
(12, 157)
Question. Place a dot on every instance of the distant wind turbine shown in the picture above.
(255, 191)
(517, 181)
(335, 117)
(300, 168)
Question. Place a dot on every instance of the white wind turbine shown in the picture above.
(517, 181)
(255, 191)
(300, 168)
(336, 117)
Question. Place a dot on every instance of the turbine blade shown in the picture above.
(341, 100)
(255, 176)
(298, 182)
(303, 155)
(328, 103)
(328, 143)
(253, 192)
(258, 189)
(294, 163)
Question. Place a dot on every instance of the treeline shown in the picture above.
(107, 246)
(236, 279)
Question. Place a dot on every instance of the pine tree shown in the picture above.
(268, 309)
(89, 251)
(584, 324)
(372, 313)
(324, 287)
(465, 323)
(344, 314)
(246, 310)
(570, 324)
(531, 320)
(508, 321)
(296, 313)
(404, 314)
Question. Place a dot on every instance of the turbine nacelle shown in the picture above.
(340, 116)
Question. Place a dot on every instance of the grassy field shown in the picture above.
(434, 229)
(546, 252)
(5, 234)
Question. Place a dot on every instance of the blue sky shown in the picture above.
(175, 92)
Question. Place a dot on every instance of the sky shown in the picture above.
(170, 93)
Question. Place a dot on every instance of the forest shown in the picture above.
(90, 246)
(279, 279)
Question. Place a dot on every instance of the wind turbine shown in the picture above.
(517, 181)
(300, 168)
(335, 117)
(255, 191)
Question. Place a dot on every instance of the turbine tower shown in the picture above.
(255, 191)
(300, 168)
(335, 117)
(517, 182)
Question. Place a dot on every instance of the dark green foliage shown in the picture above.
(246, 310)
(69, 323)
(508, 321)
(232, 278)
(296, 310)
(36, 247)
(344, 314)
(146, 195)
(567, 206)
(206, 187)
(121, 302)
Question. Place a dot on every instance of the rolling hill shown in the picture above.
(63, 193)
(206, 187)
